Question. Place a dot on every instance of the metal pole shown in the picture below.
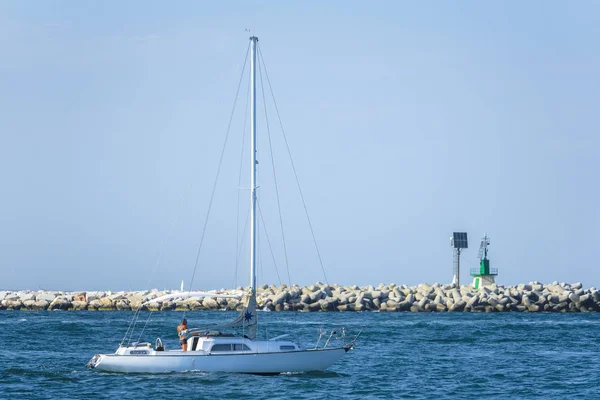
(458, 268)
(253, 42)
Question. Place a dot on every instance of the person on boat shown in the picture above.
(182, 333)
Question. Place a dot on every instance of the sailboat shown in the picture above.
(209, 348)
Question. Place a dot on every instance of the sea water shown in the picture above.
(398, 355)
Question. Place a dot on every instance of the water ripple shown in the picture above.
(399, 355)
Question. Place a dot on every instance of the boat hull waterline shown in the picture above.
(247, 362)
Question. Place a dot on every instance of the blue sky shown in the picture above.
(407, 121)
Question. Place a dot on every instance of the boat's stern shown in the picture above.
(139, 349)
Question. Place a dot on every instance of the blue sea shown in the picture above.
(398, 355)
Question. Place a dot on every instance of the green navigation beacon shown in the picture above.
(484, 275)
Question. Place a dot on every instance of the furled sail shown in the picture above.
(246, 320)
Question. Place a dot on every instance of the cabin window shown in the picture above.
(287, 347)
(240, 347)
(221, 347)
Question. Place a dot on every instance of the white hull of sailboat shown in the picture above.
(252, 363)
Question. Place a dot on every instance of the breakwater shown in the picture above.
(531, 297)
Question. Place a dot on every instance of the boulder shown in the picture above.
(316, 296)
(94, 296)
(586, 300)
(80, 297)
(472, 301)
(440, 307)
(106, 304)
(279, 298)
(79, 305)
(94, 305)
(12, 304)
(456, 295)
(40, 305)
(59, 303)
(329, 304)
(574, 298)
(122, 304)
(24, 296)
(45, 296)
(210, 303)
(377, 294)
(327, 291)
(310, 289)
(152, 306)
(28, 304)
(403, 306)
(231, 304)
(196, 305)
(135, 301)
(542, 300)
(305, 298)
(368, 304)
(367, 295)
(391, 304)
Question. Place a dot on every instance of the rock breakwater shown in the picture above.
(531, 297)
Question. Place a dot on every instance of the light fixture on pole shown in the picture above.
(458, 241)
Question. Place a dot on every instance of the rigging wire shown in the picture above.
(264, 225)
(238, 240)
(144, 328)
(294, 168)
(239, 254)
(218, 173)
(132, 324)
(287, 265)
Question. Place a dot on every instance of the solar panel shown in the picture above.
(460, 240)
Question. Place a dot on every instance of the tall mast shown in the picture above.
(253, 43)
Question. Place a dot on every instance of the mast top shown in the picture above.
(254, 38)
